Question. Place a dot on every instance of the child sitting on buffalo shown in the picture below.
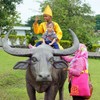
(49, 37)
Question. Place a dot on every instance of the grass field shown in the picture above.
(12, 82)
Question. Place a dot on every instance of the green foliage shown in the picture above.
(97, 17)
(13, 39)
(31, 39)
(8, 13)
(90, 46)
(95, 47)
(65, 43)
(21, 40)
(28, 38)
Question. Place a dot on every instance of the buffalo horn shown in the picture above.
(70, 50)
(24, 52)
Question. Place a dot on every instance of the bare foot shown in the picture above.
(30, 46)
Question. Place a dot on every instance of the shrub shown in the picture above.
(65, 43)
(13, 39)
(21, 40)
(95, 47)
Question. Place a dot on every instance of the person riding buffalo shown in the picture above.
(41, 28)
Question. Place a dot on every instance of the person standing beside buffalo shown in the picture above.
(78, 65)
(41, 28)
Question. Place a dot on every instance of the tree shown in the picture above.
(73, 14)
(8, 13)
(97, 27)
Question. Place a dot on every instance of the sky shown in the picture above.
(28, 8)
(95, 5)
(31, 7)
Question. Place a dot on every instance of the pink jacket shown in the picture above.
(79, 62)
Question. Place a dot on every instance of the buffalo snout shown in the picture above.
(44, 77)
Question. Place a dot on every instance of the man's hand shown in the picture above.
(36, 19)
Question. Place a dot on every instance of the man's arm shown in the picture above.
(37, 28)
(58, 31)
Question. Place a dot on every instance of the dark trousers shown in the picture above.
(55, 45)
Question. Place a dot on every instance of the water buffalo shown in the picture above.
(44, 67)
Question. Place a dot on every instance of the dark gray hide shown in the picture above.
(42, 73)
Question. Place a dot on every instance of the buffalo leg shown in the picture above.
(51, 93)
(31, 91)
(61, 93)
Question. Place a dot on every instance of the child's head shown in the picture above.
(50, 27)
(82, 51)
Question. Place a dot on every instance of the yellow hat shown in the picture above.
(48, 10)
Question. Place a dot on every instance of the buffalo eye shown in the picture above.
(51, 60)
(34, 59)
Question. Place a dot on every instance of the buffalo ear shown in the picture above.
(21, 65)
(60, 64)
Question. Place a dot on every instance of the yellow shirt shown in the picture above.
(42, 28)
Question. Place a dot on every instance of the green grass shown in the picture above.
(12, 82)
